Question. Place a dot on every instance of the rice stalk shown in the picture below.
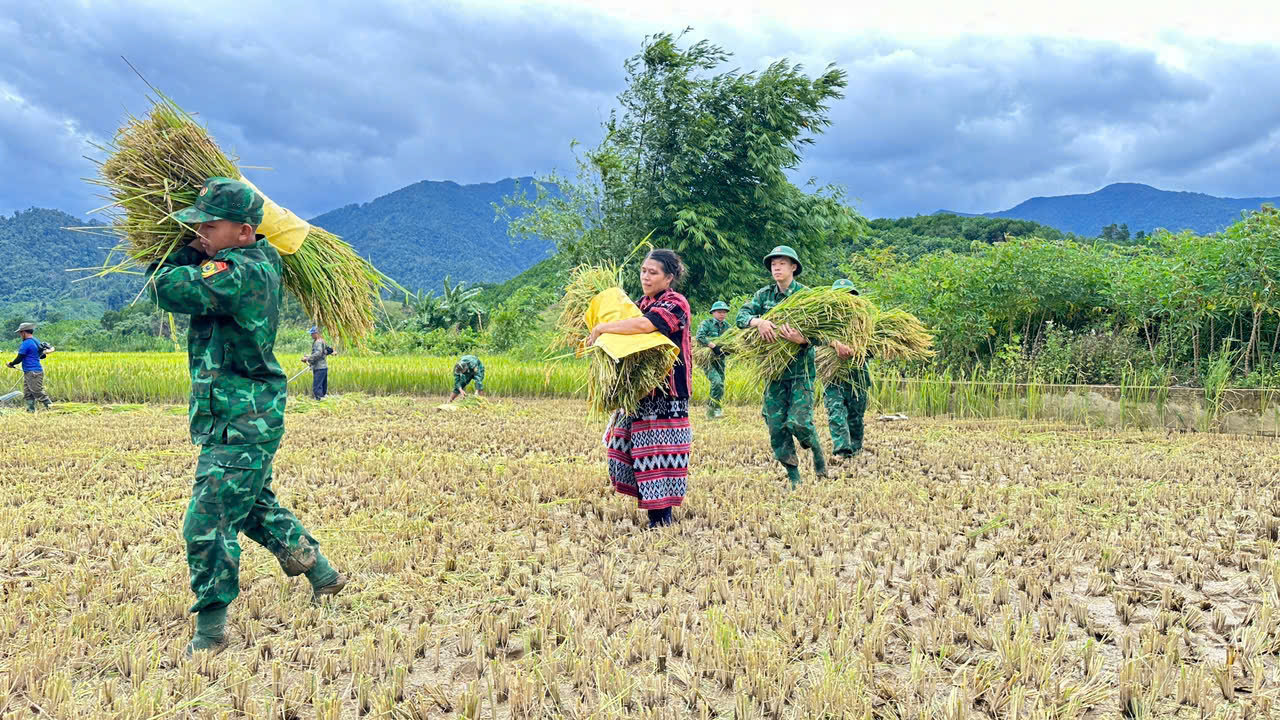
(611, 384)
(585, 282)
(818, 313)
(622, 384)
(894, 335)
(157, 164)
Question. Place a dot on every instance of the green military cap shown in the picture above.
(786, 252)
(719, 306)
(25, 327)
(844, 284)
(223, 199)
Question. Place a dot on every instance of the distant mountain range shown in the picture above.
(1141, 207)
(421, 233)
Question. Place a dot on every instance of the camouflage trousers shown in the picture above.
(715, 376)
(846, 404)
(33, 389)
(788, 413)
(233, 495)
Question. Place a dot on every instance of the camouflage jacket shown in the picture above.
(710, 329)
(764, 300)
(233, 298)
(468, 368)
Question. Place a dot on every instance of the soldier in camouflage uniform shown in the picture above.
(788, 401)
(710, 329)
(846, 403)
(228, 280)
(468, 368)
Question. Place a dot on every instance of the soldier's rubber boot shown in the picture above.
(819, 462)
(211, 632)
(325, 580)
(793, 474)
(31, 406)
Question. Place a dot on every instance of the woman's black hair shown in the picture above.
(671, 263)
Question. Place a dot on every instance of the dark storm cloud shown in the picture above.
(348, 104)
(983, 123)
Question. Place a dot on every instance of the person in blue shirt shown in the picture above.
(29, 354)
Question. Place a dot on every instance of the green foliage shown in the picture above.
(514, 322)
(1059, 310)
(36, 251)
(915, 236)
(548, 277)
(698, 157)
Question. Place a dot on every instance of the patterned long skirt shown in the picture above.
(649, 453)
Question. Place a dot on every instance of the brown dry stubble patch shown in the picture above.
(975, 569)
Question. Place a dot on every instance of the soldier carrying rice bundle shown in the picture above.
(784, 355)
(713, 365)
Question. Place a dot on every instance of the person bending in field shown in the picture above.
(468, 368)
(710, 329)
(648, 451)
(846, 403)
(788, 401)
(228, 280)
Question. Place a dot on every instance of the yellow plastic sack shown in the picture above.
(613, 304)
(284, 230)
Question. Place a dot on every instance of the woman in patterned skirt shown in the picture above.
(649, 450)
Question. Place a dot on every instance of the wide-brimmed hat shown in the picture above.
(783, 251)
(844, 284)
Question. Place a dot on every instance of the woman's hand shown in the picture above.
(844, 351)
(789, 333)
(596, 332)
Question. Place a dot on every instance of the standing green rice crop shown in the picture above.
(157, 163)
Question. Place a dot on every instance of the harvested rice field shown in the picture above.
(960, 569)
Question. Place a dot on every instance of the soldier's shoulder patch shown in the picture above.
(213, 267)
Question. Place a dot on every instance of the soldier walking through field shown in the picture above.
(468, 368)
(846, 403)
(319, 362)
(228, 280)
(30, 352)
(788, 401)
(710, 329)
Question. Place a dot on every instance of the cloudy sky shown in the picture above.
(948, 106)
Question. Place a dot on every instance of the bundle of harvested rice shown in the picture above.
(702, 355)
(613, 383)
(899, 335)
(816, 313)
(622, 384)
(157, 164)
(895, 335)
(585, 282)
